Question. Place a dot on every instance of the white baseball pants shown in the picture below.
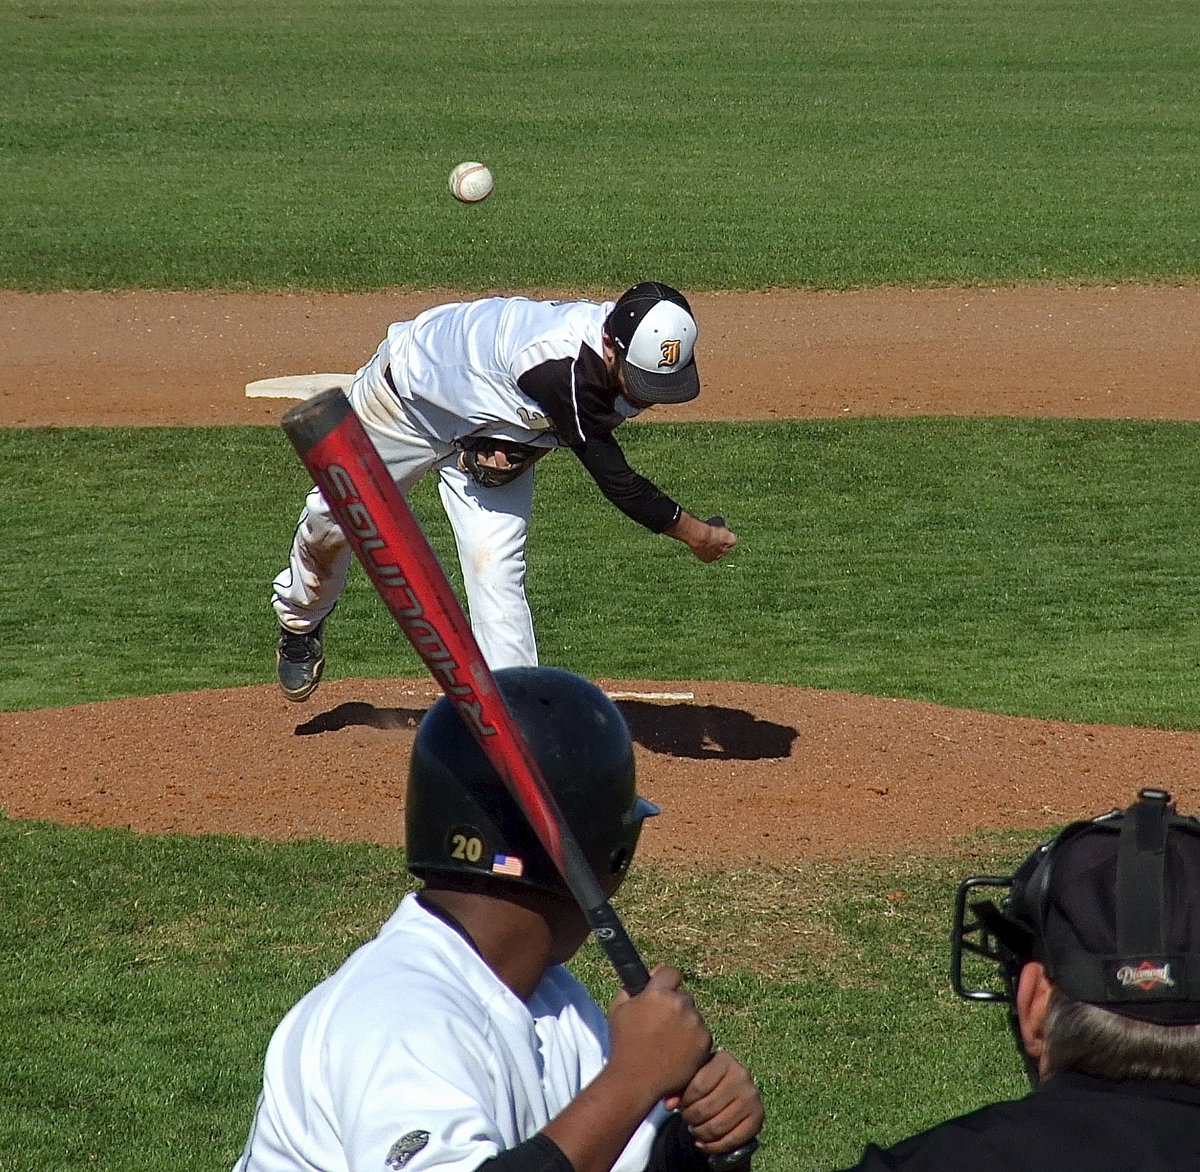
(491, 526)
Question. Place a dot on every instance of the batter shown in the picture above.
(415, 1045)
(456, 1040)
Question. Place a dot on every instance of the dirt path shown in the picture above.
(743, 772)
(184, 358)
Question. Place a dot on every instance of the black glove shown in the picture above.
(521, 457)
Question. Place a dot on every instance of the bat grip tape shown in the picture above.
(620, 950)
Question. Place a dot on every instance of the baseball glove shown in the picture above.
(520, 458)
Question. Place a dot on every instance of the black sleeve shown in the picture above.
(674, 1150)
(536, 1154)
(636, 497)
(549, 385)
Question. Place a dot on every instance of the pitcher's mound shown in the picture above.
(742, 772)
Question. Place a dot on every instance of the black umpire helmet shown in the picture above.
(460, 818)
(1110, 907)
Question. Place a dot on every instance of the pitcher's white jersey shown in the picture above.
(467, 359)
(415, 1055)
(522, 370)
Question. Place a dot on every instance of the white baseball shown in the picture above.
(471, 182)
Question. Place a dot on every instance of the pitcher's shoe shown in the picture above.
(299, 661)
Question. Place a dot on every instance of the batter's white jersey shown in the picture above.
(415, 1055)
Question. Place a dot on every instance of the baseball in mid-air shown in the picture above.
(471, 182)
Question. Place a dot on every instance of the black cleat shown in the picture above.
(299, 662)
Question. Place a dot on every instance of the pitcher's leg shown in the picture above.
(491, 526)
(305, 592)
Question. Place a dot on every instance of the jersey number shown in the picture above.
(463, 846)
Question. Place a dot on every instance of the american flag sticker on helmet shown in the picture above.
(508, 865)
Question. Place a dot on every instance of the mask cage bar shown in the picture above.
(973, 935)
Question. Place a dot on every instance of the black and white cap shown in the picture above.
(654, 332)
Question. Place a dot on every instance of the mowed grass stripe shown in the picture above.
(236, 144)
(1039, 568)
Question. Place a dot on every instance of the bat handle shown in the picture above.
(736, 1161)
(718, 521)
(622, 953)
(631, 970)
(634, 976)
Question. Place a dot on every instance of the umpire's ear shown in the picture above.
(1034, 989)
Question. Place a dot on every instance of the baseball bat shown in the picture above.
(404, 569)
(397, 556)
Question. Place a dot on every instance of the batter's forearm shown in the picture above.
(594, 1128)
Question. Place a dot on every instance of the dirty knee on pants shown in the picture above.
(491, 526)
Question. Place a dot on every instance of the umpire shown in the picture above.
(1097, 946)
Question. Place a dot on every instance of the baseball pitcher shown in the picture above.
(479, 391)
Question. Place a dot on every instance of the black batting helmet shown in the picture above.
(461, 819)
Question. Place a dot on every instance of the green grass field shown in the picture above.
(1040, 568)
(728, 143)
(1025, 567)
(144, 974)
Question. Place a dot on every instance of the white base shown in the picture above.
(296, 386)
(650, 695)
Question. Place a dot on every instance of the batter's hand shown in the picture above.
(708, 541)
(658, 1038)
(721, 1105)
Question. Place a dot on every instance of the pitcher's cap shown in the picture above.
(654, 333)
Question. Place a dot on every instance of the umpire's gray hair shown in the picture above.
(1091, 1040)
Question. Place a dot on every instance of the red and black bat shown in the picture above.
(397, 556)
(399, 560)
